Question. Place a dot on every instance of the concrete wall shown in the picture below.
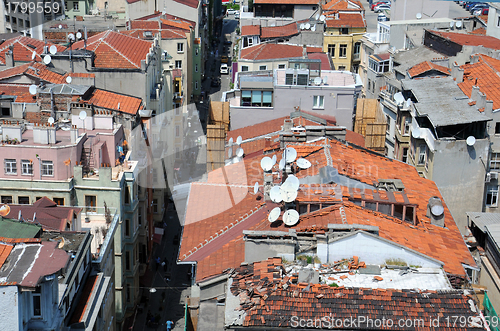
(492, 29)
(37, 188)
(135, 10)
(258, 250)
(308, 37)
(408, 9)
(374, 251)
(489, 278)
(255, 65)
(10, 309)
(302, 12)
(459, 173)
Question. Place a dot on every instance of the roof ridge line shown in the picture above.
(123, 55)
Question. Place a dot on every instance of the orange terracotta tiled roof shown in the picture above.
(189, 3)
(325, 59)
(165, 34)
(346, 20)
(427, 66)
(221, 213)
(177, 22)
(469, 39)
(113, 101)
(40, 71)
(20, 240)
(19, 92)
(480, 31)
(344, 5)
(483, 18)
(116, 50)
(250, 30)
(24, 48)
(144, 25)
(4, 253)
(271, 51)
(268, 298)
(288, 2)
(355, 138)
(485, 74)
(287, 30)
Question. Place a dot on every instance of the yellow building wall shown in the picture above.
(333, 36)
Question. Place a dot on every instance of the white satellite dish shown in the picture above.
(266, 163)
(322, 18)
(237, 159)
(316, 17)
(458, 24)
(313, 28)
(239, 152)
(230, 152)
(290, 217)
(53, 49)
(275, 194)
(47, 59)
(78, 35)
(228, 162)
(291, 154)
(256, 188)
(415, 133)
(418, 16)
(398, 97)
(32, 89)
(71, 37)
(452, 24)
(302, 26)
(293, 182)
(471, 140)
(230, 141)
(51, 120)
(408, 103)
(287, 194)
(82, 115)
(60, 26)
(308, 26)
(437, 210)
(281, 165)
(274, 214)
(69, 79)
(239, 140)
(303, 163)
(317, 81)
(33, 55)
(274, 159)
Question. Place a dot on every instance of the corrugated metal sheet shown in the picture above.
(481, 220)
(494, 232)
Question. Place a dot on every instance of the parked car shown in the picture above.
(382, 18)
(230, 11)
(478, 6)
(485, 11)
(470, 4)
(224, 69)
(376, 3)
(224, 59)
(237, 15)
(381, 8)
(215, 82)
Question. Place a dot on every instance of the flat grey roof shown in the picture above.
(481, 220)
(442, 101)
(250, 78)
(408, 59)
(494, 232)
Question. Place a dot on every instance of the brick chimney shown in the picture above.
(9, 58)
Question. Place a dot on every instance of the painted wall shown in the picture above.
(492, 29)
(333, 36)
(408, 9)
(255, 65)
(10, 309)
(258, 250)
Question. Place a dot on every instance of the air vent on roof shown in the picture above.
(435, 211)
(390, 185)
(31, 46)
(148, 34)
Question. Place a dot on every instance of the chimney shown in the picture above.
(435, 211)
(457, 73)
(287, 126)
(304, 51)
(74, 134)
(474, 95)
(9, 58)
(44, 135)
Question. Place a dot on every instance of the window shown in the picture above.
(422, 152)
(196, 67)
(244, 68)
(357, 49)
(382, 66)
(177, 131)
(256, 98)
(492, 196)
(139, 218)
(498, 21)
(497, 128)
(155, 206)
(26, 167)
(37, 302)
(180, 47)
(388, 124)
(281, 66)
(178, 64)
(7, 18)
(127, 195)
(405, 155)
(59, 201)
(319, 102)
(262, 67)
(47, 168)
(343, 50)
(344, 30)
(10, 166)
(127, 228)
(196, 85)
(155, 175)
(407, 126)
(196, 51)
(331, 50)
(23, 200)
(90, 203)
(106, 5)
(6, 199)
(75, 5)
(37, 198)
(495, 161)
(14, 20)
(369, 85)
(127, 261)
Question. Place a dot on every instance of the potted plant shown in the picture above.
(317, 262)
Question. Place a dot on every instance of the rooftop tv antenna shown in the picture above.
(290, 217)
(274, 214)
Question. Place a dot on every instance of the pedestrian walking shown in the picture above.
(164, 264)
(169, 325)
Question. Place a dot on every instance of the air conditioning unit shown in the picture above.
(494, 175)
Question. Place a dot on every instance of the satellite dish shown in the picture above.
(33, 55)
(415, 133)
(266, 163)
(256, 188)
(398, 97)
(69, 79)
(274, 214)
(458, 24)
(313, 28)
(437, 210)
(71, 37)
(47, 59)
(32, 89)
(316, 17)
(322, 18)
(275, 194)
(317, 81)
(239, 140)
(82, 115)
(237, 159)
(302, 26)
(53, 49)
(291, 154)
(4, 210)
(308, 26)
(290, 217)
(228, 162)
(288, 194)
(231, 141)
(471, 140)
(418, 16)
(274, 159)
(452, 23)
(78, 35)
(303, 163)
(239, 152)
(293, 182)
(51, 120)
(281, 165)
(408, 103)
(60, 26)
(230, 152)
